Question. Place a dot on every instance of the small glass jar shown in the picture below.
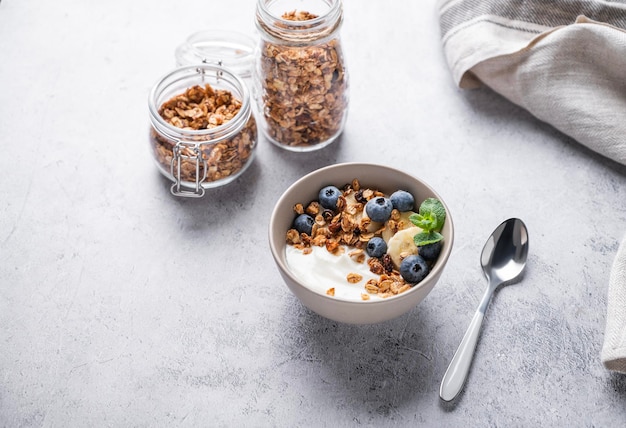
(301, 83)
(230, 49)
(197, 159)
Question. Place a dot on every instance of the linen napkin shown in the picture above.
(565, 62)
(562, 60)
(614, 349)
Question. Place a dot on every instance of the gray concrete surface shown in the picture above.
(123, 306)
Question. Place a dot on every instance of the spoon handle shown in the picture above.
(454, 378)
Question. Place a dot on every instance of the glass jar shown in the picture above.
(301, 83)
(230, 49)
(194, 149)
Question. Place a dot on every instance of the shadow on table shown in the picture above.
(218, 207)
(378, 366)
(617, 382)
(495, 107)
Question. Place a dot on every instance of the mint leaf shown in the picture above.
(425, 238)
(431, 217)
(435, 208)
(425, 221)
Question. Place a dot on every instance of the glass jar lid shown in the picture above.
(229, 49)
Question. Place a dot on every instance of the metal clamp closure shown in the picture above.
(218, 73)
(179, 154)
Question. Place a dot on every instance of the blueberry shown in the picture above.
(379, 209)
(402, 200)
(376, 247)
(430, 252)
(304, 223)
(413, 269)
(328, 197)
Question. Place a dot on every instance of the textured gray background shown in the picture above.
(121, 305)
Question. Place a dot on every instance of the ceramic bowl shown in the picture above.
(387, 180)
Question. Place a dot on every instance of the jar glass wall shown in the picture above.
(193, 147)
(301, 82)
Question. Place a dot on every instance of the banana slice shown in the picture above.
(402, 223)
(402, 245)
(350, 199)
(372, 226)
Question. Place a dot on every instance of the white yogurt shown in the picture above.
(321, 270)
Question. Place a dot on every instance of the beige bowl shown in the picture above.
(380, 177)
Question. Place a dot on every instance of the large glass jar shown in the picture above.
(300, 75)
(192, 146)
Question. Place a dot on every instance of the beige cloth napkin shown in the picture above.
(614, 349)
(565, 62)
(549, 57)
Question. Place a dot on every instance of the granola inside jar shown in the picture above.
(203, 133)
(300, 74)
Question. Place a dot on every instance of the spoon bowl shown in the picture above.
(504, 255)
(503, 260)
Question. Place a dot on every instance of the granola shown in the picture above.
(204, 108)
(347, 227)
(304, 89)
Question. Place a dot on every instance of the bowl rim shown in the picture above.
(435, 272)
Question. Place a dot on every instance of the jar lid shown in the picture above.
(230, 49)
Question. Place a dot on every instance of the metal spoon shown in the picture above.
(503, 260)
